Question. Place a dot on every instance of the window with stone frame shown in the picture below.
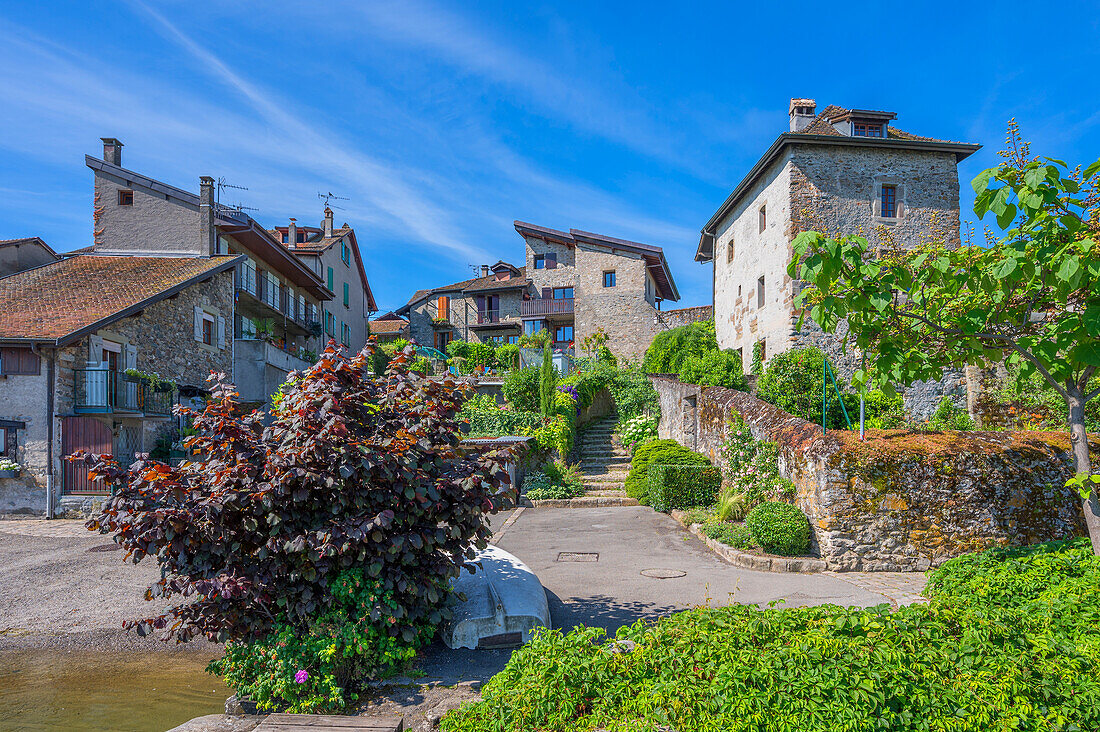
(9, 446)
(888, 201)
(763, 218)
(730, 249)
(760, 292)
(125, 197)
(609, 278)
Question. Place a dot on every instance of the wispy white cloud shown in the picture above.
(310, 145)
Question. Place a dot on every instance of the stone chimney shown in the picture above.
(802, 112)
(328, 222)
(208, 237)
(484, 270)
(292, 234)
(112, 151)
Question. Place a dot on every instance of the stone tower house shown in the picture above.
(842, 172)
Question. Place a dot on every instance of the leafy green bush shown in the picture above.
(321, 668)
(949, 417)
(636, 430)
(716, 368)
(730, 534)
(682, 486)
(756, 364)
(881, 411)
(557, 480)
(779, 528)
(521, 389)
(668, 350)
(1008, 642)
(508, 356)
(793, 381)
(458, 349)
(487, 419)
(632, 393)
(663, 452)
(752, 466)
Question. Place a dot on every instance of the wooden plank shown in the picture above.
(321, 722)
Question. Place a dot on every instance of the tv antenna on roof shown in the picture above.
(329, 197)
(222, 184)
(242, 208)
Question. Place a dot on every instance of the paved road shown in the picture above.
(630, 543)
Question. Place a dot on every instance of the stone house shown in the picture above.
(276, 318)
(585, 281)
(389, 327)
(572, 283)
(334, 255)
(842, 172)
(79, 338)
(17, 255)
(481, 309)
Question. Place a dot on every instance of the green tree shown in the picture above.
(547, 382)
(1030, 298)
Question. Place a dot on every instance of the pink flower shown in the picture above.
(301, 677)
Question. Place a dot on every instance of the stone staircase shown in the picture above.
(604, 464)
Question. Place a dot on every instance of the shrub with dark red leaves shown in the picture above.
(355, 472)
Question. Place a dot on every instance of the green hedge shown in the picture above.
(716, 368)
(779, 528)
(670, 348)
(666, 452)
(1007, 642)
(499, 422)
(683, 486)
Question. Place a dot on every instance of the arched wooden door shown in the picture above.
(88, 435)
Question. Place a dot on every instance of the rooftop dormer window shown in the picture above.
(865, 129)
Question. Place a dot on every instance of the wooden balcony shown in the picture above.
(546, 306)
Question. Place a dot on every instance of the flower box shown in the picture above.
(9, 473)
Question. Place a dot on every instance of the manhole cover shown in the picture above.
(658, 573)
(105, 548)
(578, 557)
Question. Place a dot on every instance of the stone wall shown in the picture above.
(623, 311)
(669, 319)
(462, 315)
(901, 500)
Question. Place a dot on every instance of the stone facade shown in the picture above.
(162, 340)
(827, 182)
(899, 501)
(462, 324)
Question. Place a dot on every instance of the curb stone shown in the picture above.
(580, 502)
(805, 565)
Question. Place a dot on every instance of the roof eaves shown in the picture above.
(962, 150)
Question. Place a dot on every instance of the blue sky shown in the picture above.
(444, 122)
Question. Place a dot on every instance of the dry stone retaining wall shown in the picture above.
(901, 500)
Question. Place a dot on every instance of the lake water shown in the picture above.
(81, 691)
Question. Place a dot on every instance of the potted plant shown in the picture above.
(9, 468)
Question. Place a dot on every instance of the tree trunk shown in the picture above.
(1082, 463)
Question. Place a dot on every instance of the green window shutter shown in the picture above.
(330, 278)
(347, 299)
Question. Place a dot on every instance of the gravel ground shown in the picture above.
(58, 589)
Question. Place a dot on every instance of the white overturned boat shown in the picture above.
(504, 603)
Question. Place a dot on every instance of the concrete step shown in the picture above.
(604, 470)
(601, 457)
(606, 493)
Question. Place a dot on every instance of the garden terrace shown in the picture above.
(901, 499)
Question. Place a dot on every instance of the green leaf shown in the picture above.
(1005, 217)
(1004, 268)
(981, 181)
(1091, 170)
(1087, 353)
(1090, 319)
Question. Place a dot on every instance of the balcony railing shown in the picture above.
(101, 391)
(489, 316)
(547, 306)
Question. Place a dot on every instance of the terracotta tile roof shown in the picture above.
(474, 284)
(821, 126)
(388, 326)
(62, 298)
